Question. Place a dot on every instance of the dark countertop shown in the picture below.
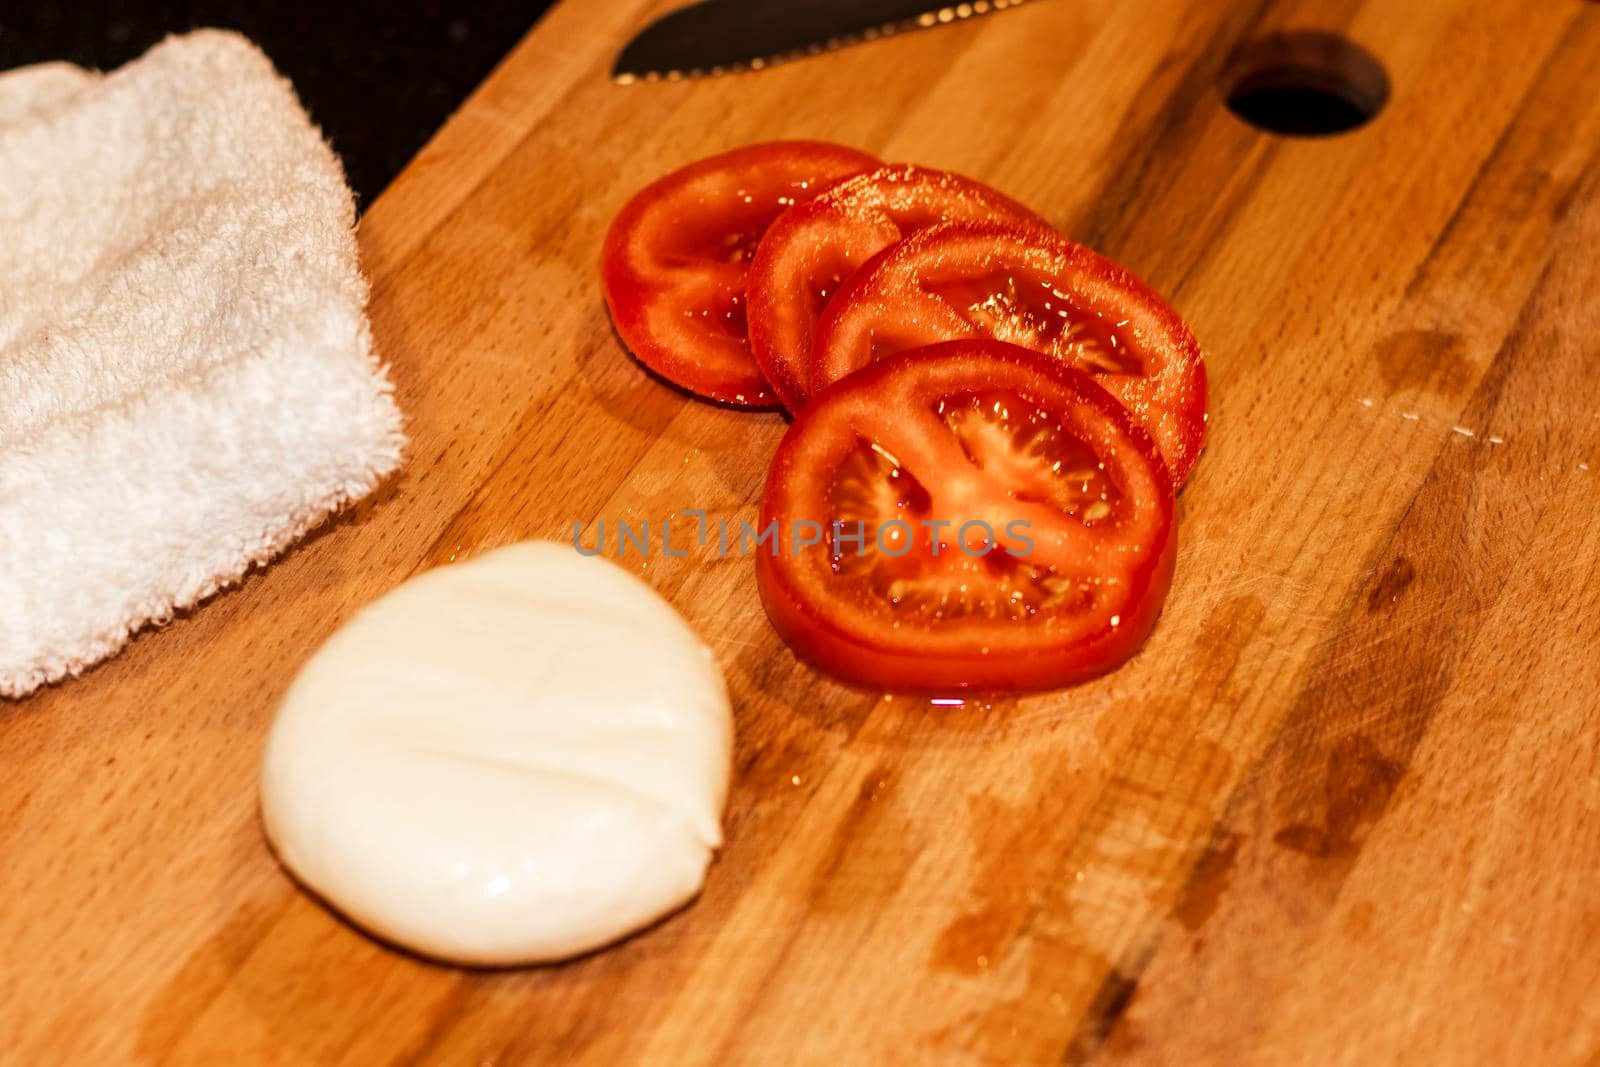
(378, 77)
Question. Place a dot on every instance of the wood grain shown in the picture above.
(1342, 809)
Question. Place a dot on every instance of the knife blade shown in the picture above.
(727, 36)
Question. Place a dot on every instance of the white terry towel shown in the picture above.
(187, 382)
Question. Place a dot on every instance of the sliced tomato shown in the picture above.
(809, 252)
(676, 257)
(1035, 289)
(1016, 525)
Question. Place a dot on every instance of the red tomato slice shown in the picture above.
(676, 257)
(810, 251)
(963, 433)
(1035, 289)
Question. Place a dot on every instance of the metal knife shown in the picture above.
(725, 36)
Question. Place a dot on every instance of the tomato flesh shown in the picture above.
(1015, 525)
(811, 251)
(676, 259)
(1035, 289)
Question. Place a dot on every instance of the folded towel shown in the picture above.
(187, 382)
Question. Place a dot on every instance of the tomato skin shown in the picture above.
(675, 260)
(809, 251)
(817, 640)
(842, 641)
(890, 304)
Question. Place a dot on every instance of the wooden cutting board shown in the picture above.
(1344, 807)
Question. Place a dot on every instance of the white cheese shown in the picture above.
(510, 760)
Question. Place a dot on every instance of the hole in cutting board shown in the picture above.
(1304, 84)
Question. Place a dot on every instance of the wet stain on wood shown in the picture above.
(1358, 920)
(1430, 360)
(1016, 839)
(1395, 580)
(1208, 883)
(870, 855)
(1106, 1024)
(1359, 783)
